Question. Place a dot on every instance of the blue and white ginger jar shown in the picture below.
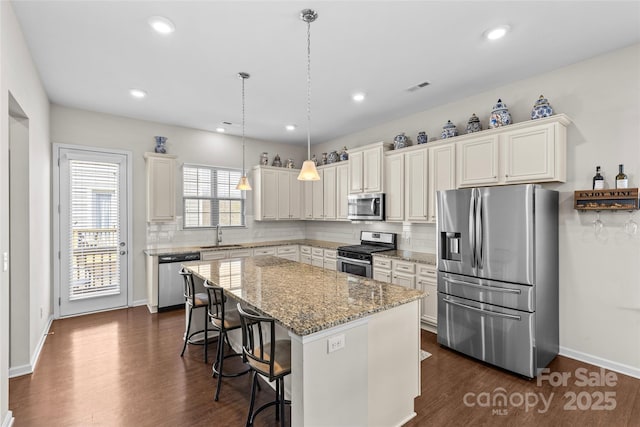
(343, 154)
(449, 130)
(541, 109)
(401, 141)
(160, 141)
(422, 137)
(333, 157)
(500, 115)
(474, 125)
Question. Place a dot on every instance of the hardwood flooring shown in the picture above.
(122, 368)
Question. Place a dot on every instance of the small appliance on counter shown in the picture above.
(366, 207)
(498, 275)
(358, 259)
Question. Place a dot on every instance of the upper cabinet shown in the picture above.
(326, 199)
(161, 187)
(532, 151)
(342, 191)
(366, 174)
(277, 194)
(394, 186)
(415, 182)
(442, 174)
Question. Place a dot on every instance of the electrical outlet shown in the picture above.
(335, 343)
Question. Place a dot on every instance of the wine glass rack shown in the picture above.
(621, 199)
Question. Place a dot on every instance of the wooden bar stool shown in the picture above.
(194, 300)
(271, 359)
(224, 321)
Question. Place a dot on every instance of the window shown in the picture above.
(211, 198)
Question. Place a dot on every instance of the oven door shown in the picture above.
(354, 266)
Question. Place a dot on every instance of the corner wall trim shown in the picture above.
(17, 371)
(599, 361)
(8, 419)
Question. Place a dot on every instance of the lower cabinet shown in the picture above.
(329, 259)
(403, 273)
(427, 282)
(289, 252)
(269, 250)
(305, 254)
(382, 269)
(317, 257)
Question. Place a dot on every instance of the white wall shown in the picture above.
(599, 292)
(19, 77)
(79, 127)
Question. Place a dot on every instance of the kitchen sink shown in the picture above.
(220, 246)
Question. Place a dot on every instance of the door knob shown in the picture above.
(123, 252)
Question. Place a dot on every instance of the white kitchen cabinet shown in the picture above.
(403, 273)
(366, 173)
(532, 151)
(241, 253)
(289, 191)
(394, 186)
(289, 252)
(535, 154)
(442, 174)
(342, 191)
(305, 254)
(269, 250)
(329, 193)
(276, 194)
(307, 187)
(214, 255)
(427, 283)
(318, 196)
(415, 174)
(478, 161)
(381, 269)
(330, 259)
(161, 187)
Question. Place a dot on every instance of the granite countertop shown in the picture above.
(183, 249)
(302, 298)
(419, 257)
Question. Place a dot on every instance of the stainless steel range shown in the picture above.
(358, 259)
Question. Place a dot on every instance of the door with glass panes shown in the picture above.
(93, 224)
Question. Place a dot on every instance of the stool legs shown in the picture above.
(186, 332)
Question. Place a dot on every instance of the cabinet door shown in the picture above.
(329, 193)
(318, 197)
(382, 275)
(356, 164)
(406, 280)
(269, 195)
(394, 186)
(308, 199)
(283, 194)
(529, 154)
(429, 301)
(478, 162)
(442, 176)
(342, 191)
(416, 186)
(161, 189)
(372, 170)
(295, 199)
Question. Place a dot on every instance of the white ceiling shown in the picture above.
(90, 53)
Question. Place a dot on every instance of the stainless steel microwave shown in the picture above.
(366, 207)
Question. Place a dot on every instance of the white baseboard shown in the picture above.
(16, 371)
(8, 419)
(599, 361)
(139, 302)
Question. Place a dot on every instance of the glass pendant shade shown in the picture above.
(243, 184)
(308, 172)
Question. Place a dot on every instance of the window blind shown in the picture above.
(211, 198)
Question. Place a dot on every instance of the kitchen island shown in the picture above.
(373, 373)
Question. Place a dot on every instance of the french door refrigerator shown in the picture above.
(498, 275)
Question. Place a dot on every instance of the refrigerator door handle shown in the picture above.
(487, 288)
(479, 231)
(487, 312)
(472, 231)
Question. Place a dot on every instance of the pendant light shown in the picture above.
(308, 171)
(244, 182)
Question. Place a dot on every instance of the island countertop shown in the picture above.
(304, 299)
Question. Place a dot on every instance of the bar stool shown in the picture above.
(224, 321)
(194, 300)
(271, 359)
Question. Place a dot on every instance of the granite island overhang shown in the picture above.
(374, 378)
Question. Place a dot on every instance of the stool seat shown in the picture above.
(201, 300)
(231, 320)
(282, 362)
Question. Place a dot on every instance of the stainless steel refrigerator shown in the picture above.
(498, 275)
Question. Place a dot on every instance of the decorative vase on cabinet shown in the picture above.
(541, 109)
(449, 130)
(500, 115)
(160, 141)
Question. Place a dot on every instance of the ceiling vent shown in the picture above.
(418, 86)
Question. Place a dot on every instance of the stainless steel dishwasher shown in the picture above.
(170, 283)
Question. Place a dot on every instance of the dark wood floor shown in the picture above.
(122, 368)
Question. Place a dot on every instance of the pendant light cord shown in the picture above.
(308, 90)
(243, 172)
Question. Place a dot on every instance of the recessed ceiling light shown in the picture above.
(161, 25)
(221, 130)
(358, 97)
(497, 32)
(137, 93)
(290, 128)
